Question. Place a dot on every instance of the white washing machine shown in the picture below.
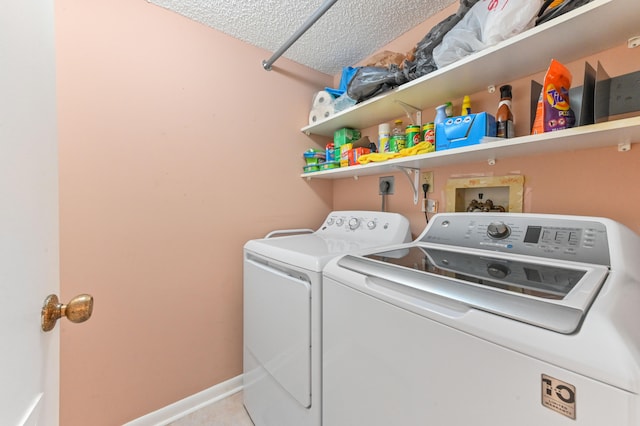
(283, 311)
(485, 319)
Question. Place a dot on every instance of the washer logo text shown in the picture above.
(559, 396)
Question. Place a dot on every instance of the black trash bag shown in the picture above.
(371, 81)
(424, 63)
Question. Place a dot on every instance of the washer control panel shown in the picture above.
(548, 236)
(366, 225)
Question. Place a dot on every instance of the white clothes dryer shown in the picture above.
(283, 311)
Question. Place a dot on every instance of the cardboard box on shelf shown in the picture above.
(355, 153)
(345, 135)
(347, 151)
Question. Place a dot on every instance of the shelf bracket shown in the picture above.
(624, 147)
(410, 109)
(415, 181)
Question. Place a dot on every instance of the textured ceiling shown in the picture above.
(350, 31)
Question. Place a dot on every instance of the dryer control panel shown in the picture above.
(383, 227)
(543, 236)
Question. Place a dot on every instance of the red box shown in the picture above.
(355, 153)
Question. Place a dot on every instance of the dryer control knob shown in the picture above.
(371, 224)
(339, 221)
(498, 230)
(354, 222)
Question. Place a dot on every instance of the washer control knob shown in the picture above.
(371, 224)
(354, 222)
(498, 271)
(498, 230)
(330, 221)
(339, 221)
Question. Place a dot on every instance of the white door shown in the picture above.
(29, 357)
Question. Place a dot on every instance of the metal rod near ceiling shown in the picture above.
(309, 22)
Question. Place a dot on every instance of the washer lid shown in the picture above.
(547, 294)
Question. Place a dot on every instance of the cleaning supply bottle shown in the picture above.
(466, 106)
(398, 139)
(383, 138)
(448, 109)
(441, 114)
(504, 116)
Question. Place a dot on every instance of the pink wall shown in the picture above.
(176, 147)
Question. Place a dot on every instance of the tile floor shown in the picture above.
(227, 412)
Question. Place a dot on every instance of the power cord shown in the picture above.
(425, 189)
(385, 186)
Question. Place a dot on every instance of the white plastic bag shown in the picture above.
(487, 23)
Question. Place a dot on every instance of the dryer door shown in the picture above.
(277, 306)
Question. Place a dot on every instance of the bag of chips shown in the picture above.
(554, 111)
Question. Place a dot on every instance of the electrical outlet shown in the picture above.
(426, 177)
(386, 185)
(429, 206)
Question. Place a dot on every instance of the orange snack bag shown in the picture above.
(553, 111)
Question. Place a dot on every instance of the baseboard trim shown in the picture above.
(190, 404)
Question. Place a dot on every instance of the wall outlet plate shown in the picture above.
(426, 177)
(429, 206)
(386, 185)
(432, 206)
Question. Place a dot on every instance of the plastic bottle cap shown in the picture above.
(398, 122)
(505, 91)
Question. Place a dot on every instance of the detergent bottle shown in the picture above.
(398, 139)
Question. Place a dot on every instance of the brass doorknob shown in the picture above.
(79, 309)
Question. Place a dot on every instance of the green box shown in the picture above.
(345, 135)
